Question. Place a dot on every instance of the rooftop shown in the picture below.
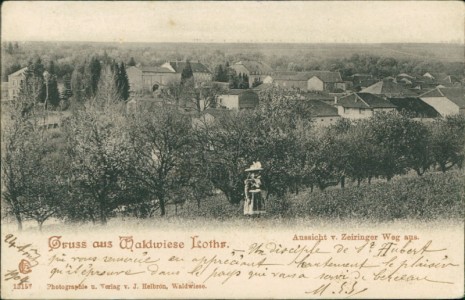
(415, 107)
(325, 76)
(456, 95)
(386, 87)
(255, 67)
(155, 70)
(322, 109)
(197, 67)
(364, 100)
(19, 72)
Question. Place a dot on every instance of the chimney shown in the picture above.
(335, 99)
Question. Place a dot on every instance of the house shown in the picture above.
(200, 71)
(140, 104)
(360, 81)
(14, 83)
(447, 101)
(451, 80)
(239, 99)
(5, 96)
(405, 75)
(150, 78)
(53, 119)
(429, 76)
(323, 114)
(388, 87)
(357, 79)
(310, 81)
(255, 70)
(209, 116)
(362, 105)
(262, 87)
(319, 96)
(415, 108)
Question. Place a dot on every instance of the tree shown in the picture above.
(108, 91)
(221, 74)
(52, 92)
(78, 85)
(100, 159)
(45, 183)
(205, 97)
(33, 84)
(228, 151)
(16, 129)
(161, 145)
(256, 82)
(10, 70)
(51, 67)
(396, 138)
(187, 73)
(10, 48)
(447, 142)
(93, 71)
(67, 92)
(132, 62)
(122, 82)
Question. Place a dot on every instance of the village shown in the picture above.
(163, 133)
(424, 97)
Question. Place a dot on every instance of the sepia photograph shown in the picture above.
(232, 150)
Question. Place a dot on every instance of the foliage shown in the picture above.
(221, 74)
(132, 62)
(160, 144)
(100, 159)
(448, 141)
(33, 84)
(187, 72)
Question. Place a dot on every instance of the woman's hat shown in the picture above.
(256, 166)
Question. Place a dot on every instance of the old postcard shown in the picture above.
(232, 150)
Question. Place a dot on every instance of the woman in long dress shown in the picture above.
(254, 203)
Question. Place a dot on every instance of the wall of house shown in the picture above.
(444, 106)
(341, 85)
(315, 84)
(135, 78)
(268, 79)
(229, 101)
(325, 120)
(203, 120)
(5, 93)
(291, 84)
(150, 79)
(240, 69)
(354, 113)
(202, 77)
(14, 85)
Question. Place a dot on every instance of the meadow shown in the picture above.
(434, 198)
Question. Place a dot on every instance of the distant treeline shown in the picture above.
(378, 60)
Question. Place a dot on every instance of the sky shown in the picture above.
(251, 21)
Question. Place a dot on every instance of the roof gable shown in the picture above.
(255, 67)
(155, 70)
(385, 87)
(415, 107)
(364, 100)
(325, 76)
(321, 109)
(197, 67)
(456, 95)
(19, 72)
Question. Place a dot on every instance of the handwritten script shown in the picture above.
(340, 266)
